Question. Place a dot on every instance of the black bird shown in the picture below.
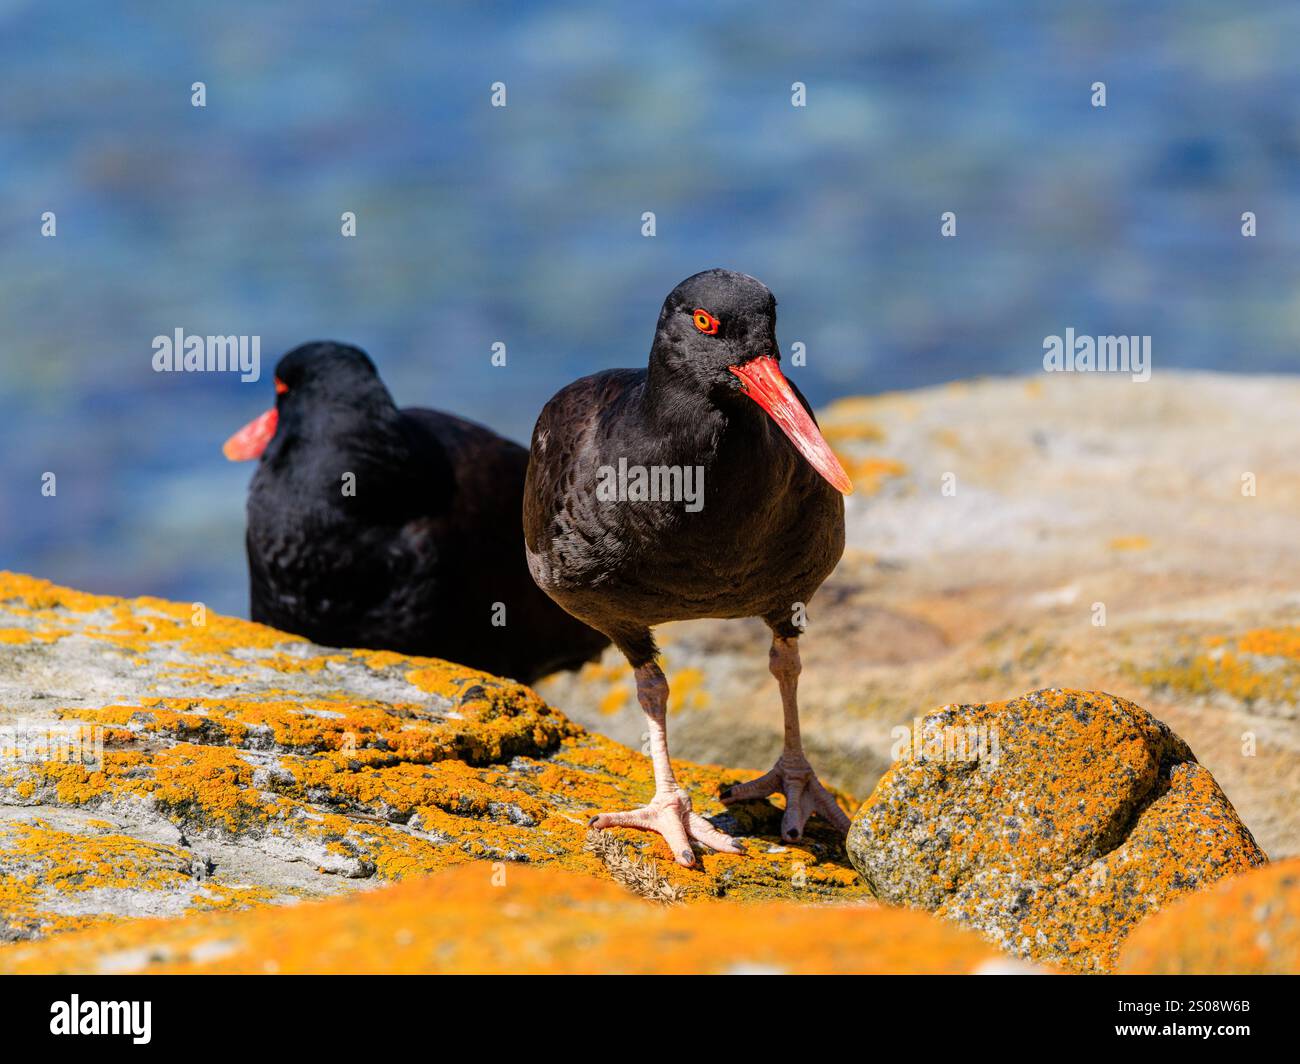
(388, 529)
(713, 404)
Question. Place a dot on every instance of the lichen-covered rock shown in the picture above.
(58, 879)
(1246, 925)
(1259, 668)
(481, 918)
(1052, 823)
(158, 759)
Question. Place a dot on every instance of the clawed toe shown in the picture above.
(804, 795)
(670, 816)
(769, 783)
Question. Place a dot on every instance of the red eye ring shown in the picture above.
(705, 322)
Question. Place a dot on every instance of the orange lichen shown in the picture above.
(1259, 666)
(381, 659)
(438, 679)
(1246, 925)
(614, 700)
(42, 868)
(686, 690)
(852, 431)
(869, 474)
(36, 594)
(18, 636)
(1272, 642)
(135, 625)
(206, 786)
(498, 918)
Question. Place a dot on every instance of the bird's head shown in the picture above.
(717, 334)
(330, 385)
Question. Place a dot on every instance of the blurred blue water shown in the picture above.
(523, 224)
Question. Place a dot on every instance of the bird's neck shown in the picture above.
(373, 447)
(691, 420)
(677, 407)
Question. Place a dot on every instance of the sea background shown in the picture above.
(523, 224)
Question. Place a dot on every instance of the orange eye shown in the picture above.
(706, 322)
(280, 386)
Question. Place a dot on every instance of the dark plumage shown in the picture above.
(370, 526)
(771, 528)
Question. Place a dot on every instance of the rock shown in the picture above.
(1060, 530)
(85, 871)
(1052, 823)
(516, 919)
(1246, 925)
(158, 765)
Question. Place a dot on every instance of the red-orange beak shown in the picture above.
(250, 441)
(764, 383)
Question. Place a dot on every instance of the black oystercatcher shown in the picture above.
(388, 529)
(713, 404)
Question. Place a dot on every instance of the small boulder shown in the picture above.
(1246, 925)
(1053, 823)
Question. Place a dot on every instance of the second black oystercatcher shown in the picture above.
(699, 487)
(388, 529)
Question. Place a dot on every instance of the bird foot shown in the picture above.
(804, 795)
(669, 814)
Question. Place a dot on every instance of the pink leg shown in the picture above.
(791, 775)
(669, 812)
